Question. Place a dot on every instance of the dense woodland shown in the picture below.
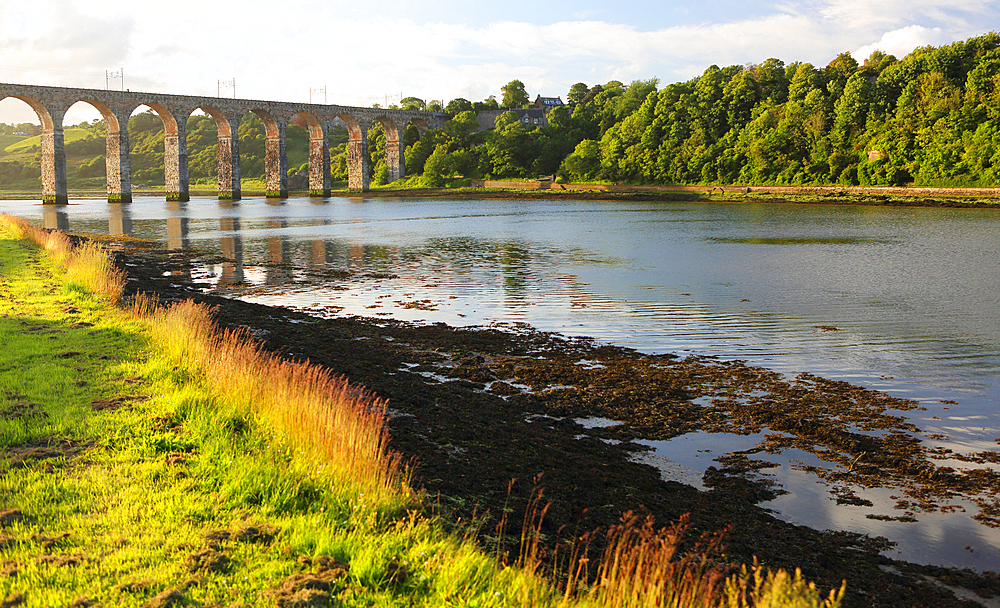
(931, 118)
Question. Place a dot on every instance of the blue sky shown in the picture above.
(366, 52)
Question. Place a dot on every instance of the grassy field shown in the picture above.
(150, 460)
(21, 146)
(10, 140)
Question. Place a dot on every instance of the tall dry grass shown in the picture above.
(643, 566)
(760, 588)
(87, 264)
(341, 425)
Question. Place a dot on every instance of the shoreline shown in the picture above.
(980, 198)
(458, 412)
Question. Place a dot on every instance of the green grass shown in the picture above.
(175, 465)
(24, 143)
(9, 140)
(143, 484)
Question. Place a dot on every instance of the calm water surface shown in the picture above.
(902, 300)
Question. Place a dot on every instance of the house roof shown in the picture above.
(548, 101)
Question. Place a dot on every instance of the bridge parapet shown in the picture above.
(51, 104)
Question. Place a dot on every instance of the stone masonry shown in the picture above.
(51, 104)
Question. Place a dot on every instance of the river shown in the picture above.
(903, 300)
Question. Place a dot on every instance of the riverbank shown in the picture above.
(463, 401)
(149, 461)
(987, 198)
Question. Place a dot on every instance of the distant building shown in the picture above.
(547, 103)
(529, 117)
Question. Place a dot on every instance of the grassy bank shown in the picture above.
(898, 197)
(152, 460)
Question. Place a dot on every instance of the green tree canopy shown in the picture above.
(514, 95)
(458, 105)
(577, 93)
(412, 103)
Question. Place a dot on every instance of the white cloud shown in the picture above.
(900, 42)
(51, 38)
(885, 14)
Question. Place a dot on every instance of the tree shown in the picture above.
(584, 162)
(514, 95)
(412, 103)
(417, 154)
(851, 108)
(577, 93)
(461, 126)
(837, 72)
(490, 103)
(457, 106)
(878, 61)
(804, 79)
(438, 167)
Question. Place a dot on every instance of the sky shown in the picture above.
(365, 52)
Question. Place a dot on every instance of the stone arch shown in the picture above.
(145, 122)
(175, 158)
(222, 122)
(44, 117)
(112, 119)
(53, 154)
(358, 171)
(228, 173)
(394, 159)
(170, 124)
(253, 128)
(311, 123)
(421, 125)
(319, 154)
(271, 126)
(117, 160)
(275, 158)
(353, 126)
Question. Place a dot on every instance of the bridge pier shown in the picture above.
(276, 162)
(175, 159)
(358, 171)
(117, 158)
(394, 157)
(229, 157)
(54, 191)
(319, 163)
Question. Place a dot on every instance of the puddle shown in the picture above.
(940, 538)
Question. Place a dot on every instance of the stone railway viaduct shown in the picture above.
(51, 104)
